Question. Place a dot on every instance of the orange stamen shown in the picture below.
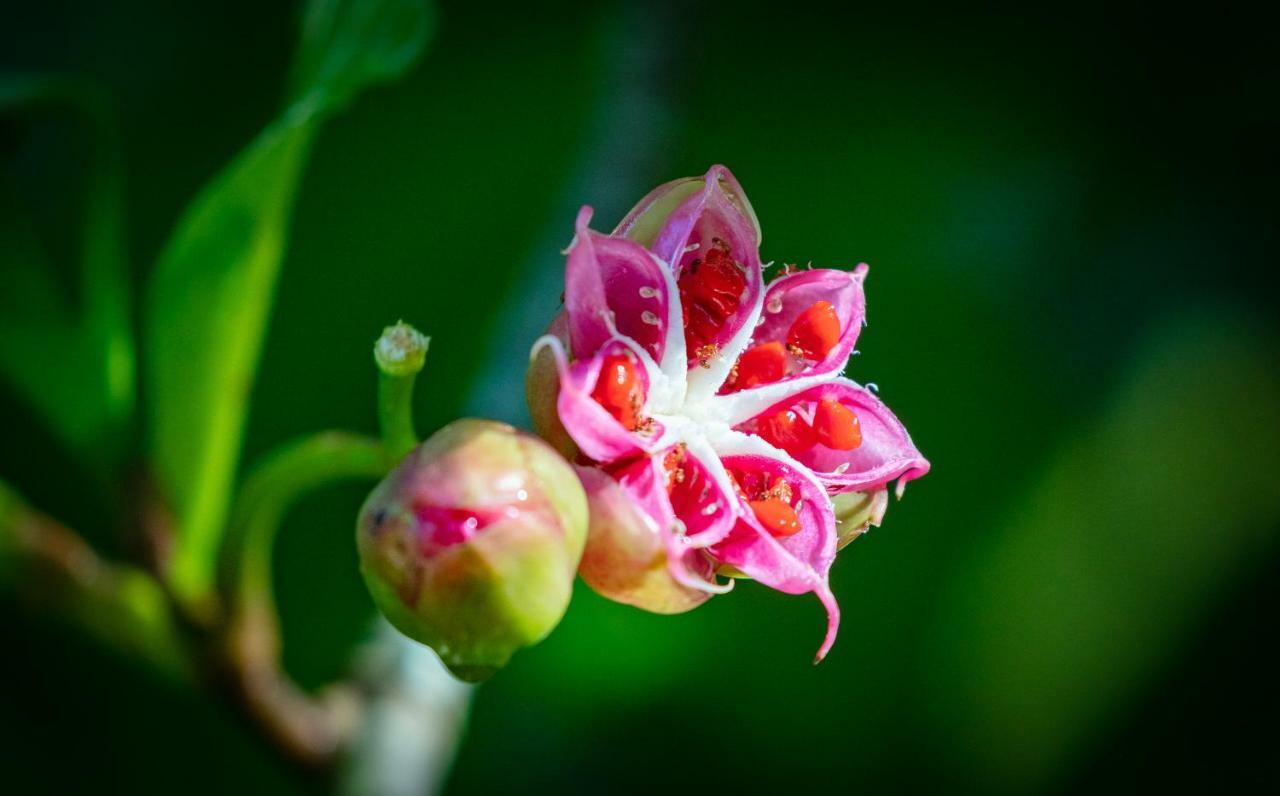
(776, 516)
(836, 426)
(710, 291)
(762, 364)
(816, 331)
(618, 390)
(788, 431)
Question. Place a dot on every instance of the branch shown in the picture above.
(309, 730)
(121, 606)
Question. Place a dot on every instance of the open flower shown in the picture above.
(708, 410)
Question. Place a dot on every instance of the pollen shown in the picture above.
(706, 353)
(673, 467)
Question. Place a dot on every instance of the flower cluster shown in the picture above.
(707, 411)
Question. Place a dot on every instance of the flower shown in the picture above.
(471, 544)
(707, 410)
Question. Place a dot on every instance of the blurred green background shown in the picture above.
(1071, 223)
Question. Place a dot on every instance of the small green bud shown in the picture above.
(857, 512)
(470, 546)
(401, 350)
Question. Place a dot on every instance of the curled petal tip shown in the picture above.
(833, 623)
(860, 272)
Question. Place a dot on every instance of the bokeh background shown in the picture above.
(1071, 220)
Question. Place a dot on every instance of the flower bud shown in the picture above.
(471, 544)
(857, 512)
(542, 390)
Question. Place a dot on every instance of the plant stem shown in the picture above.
(121, 606)
(309, 730)
(400, 353)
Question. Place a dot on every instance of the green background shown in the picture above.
(1070, 220)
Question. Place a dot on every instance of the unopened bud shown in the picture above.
(471, 544)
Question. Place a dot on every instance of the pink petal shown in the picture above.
(703, 500)
(718, 212)
(790, 296)
(597, 433)
(625, 558)
(645, 480)
(613, 285)
(795, 564)
(647, 220)
(886, 453)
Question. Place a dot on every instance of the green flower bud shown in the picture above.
(471, 544)
(857, 512)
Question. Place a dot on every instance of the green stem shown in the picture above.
(276, 484)
(395, 416)
(400, 353)
(310, 730)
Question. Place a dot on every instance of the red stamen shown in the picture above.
(710, 291)
(836, 426)
(618, 390)
(816, 331)
(777, 517)
(762, 364)
(786, 430)
(770, 502)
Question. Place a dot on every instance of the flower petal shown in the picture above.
(625, 558)
(886, 451)
(615, 286)
(646, 481)
(791, 298)
(703, 499)
(715, 217)
(648, 219)
(598, 434)
(794, 564)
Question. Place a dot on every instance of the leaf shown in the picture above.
(210, 296)
(74, 364)
(348, 45)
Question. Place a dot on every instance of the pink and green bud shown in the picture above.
(471, 544)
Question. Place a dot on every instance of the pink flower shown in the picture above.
(708, 411)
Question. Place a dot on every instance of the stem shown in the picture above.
(309, 730)
(123, 607)
(400, 353)
(277, 483)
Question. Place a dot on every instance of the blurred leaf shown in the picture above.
(75, 365)
(211, 293)
(1113, 558)
(348, 45)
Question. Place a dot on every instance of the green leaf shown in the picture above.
(211, 293)
(74, 364)
(346, 46)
